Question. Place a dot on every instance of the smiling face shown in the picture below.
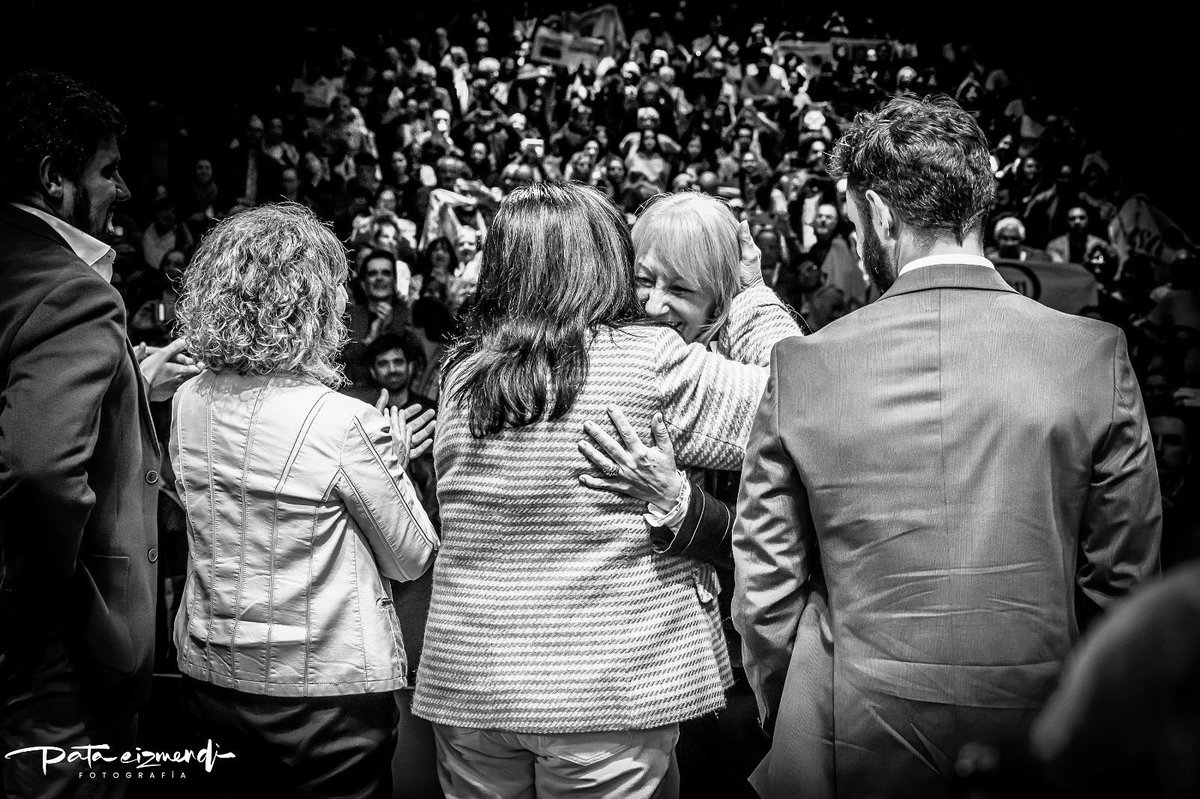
(675, 299)
(89, 199)
(387, 237)
(380, 279)
(392, 370)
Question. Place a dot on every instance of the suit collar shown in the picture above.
(948, 276)
(30, 224)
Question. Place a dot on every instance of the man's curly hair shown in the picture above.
(928, 158)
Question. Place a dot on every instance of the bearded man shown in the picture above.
(940, 488)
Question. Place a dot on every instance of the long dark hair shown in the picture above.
(557, 266)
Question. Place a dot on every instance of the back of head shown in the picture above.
(694, 235)
(557, 265)
(927, 158)
(261, 295)
(47, 114)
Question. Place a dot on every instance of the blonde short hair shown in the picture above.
(694, 234)
(260, 295)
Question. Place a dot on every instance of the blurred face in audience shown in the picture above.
(289, 182)
(468, 244)
(816, 155)
(387, 201)
(1031, 169)
(392, 370)
(380, 279)
(204, 171)
(399, 163)
(809, 276)
(825, 221)
(387, 237)
(768, 241)
(439, 258)
(1008, 242)
(1077, 221)
(615, 171)
(1171, 448)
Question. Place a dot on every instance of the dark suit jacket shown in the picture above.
(952, 461)
(78, 468)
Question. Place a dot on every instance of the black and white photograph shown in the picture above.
(599, 400)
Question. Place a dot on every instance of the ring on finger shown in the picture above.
(611, 469)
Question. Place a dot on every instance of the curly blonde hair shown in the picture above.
(261, 295)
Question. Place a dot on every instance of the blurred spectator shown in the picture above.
(379, 308)
(164, 234)
(247, 171)
(154, 321)
(1077, 245)
(838, 263)
(1009, 234)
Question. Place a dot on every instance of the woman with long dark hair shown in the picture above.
(556, 635)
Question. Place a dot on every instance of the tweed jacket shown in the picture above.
(551, 611)
(930, 481)
(298, 516)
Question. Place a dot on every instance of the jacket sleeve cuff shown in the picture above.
(705, 532)
(673, 518)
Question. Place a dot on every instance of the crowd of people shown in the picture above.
(419, 153)
(408, 147)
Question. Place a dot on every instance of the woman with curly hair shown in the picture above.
(299, 515)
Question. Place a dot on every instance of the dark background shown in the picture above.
(1127, 75)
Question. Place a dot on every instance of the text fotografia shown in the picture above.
(94, 754)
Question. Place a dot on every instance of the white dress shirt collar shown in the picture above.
(92, 251)
(952, 258)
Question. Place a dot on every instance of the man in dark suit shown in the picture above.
(78, 455)
(935, 487)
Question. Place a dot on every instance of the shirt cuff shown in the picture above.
(673, 518)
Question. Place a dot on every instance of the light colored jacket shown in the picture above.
(932, 485)
(297, 512)
(551, 611)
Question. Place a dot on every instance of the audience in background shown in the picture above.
(406, 146)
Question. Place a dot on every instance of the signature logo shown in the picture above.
(93, 754)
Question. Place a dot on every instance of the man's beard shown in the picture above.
(876, 260)
(81, 214)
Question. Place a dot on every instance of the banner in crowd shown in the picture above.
(1139, 227)
(1064, 287)
(604, 23)
(815, 54)
(852, 44)
(566, 49)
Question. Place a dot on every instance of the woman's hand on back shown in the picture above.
(631, 468)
